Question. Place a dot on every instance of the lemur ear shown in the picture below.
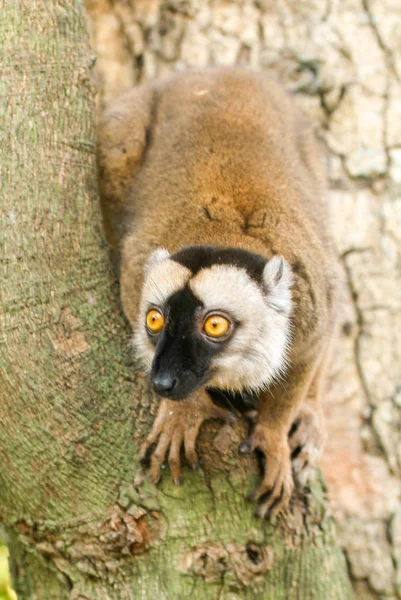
(277, 280)
(157, 256)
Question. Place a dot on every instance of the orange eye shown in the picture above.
(154, 321)
(216, 326)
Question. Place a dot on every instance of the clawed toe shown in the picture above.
(270, 509)
(145, 454)
(245, 448)
(306, 440)
(272, 500)
(255, 494)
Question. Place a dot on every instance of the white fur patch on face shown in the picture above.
(158, 255)
(163, 278)
(256, 353)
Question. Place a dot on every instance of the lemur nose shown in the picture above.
(164, 384)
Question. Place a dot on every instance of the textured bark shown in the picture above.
(80, 518)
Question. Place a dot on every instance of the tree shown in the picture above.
(80, 518)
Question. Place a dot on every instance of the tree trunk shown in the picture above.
(80, 518)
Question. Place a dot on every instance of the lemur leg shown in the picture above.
(177, 424)
(278, 409)
(307, 434)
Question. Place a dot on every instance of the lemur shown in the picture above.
(213, 199)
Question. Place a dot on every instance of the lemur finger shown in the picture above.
(189, 444)
(288, 488)
(157, 428)
(222, 414)
(145, 449)
(251, 415)
(263, 490)
(307, 454)
(303, 467)
(258, 439)
(303, 476)
(248, 446)
(174, 457)
(278, 500)
(272, 499)
(275, 509)
(293, 430)
(158, 457)
(298, 438)
(213, 411)
(299, 464)
(306, 430)
(269, 508)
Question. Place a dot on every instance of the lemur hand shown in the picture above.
(277, 484)
(177, 424)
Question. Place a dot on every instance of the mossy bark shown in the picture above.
(79, 517)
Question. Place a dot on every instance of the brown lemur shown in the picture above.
(213, 197)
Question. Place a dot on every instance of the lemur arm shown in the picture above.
(307, 434)
(278, 409)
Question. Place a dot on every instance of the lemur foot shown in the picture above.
(277, 485)
(306, 440)
(177, 424)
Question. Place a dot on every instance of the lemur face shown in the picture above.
(215, 316)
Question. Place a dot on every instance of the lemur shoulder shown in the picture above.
(213, 198)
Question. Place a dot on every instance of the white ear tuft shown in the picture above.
(277, 279)
(157, 256)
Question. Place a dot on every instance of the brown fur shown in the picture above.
(223, 157)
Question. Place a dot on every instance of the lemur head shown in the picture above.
(215, 316)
